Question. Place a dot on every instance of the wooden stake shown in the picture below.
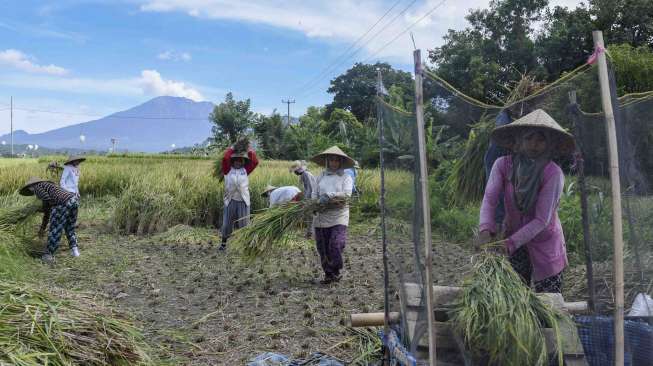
(618, 259)
(426, 212)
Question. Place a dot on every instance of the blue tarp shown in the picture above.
(597, 336)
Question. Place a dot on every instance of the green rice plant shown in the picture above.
(16, 214)
(498, 315)
(46, 328)
(467, 179)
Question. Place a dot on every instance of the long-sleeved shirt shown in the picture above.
(333, 185)
(540, 229)
(236, 186)
(249, 166)
(309, 182)
(70, 179)
(283, 195)
(51, 195)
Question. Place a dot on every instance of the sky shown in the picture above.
(85, 59)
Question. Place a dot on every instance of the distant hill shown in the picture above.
(150, 127)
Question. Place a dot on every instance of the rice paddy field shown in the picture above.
(148, 241)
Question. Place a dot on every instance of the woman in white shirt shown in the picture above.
(236, 196)
(334, 187)
(70, 176)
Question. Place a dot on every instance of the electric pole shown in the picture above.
(288, 102)
(11, 119)
(114, 141)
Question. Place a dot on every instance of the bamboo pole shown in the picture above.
(618, 260)
(426, 213)
(386, 280)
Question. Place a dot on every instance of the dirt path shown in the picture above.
(202, 307)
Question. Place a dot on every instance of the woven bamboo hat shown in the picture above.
(24, 191)
(73, 159)
(268, 189)
(297, 164)
(506, 136)
(320, 158)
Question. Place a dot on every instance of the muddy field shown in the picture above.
(199, 306)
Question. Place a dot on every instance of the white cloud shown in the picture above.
(342, 20)
(152, 83)
(174, 56)
(21, 61)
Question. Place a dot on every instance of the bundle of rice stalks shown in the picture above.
(467, 179)
(38, 328)
(17, 214)
(502, 319)
(270, 229)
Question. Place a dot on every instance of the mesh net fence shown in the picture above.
(456, 188)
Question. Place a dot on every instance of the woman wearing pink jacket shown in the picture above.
(532, 184)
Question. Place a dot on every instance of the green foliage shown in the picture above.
(270, 133)
(633, 67)
(231, 119)
(355, 90)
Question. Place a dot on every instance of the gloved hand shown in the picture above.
(324, 199)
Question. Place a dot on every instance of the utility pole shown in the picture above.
(11, 119)
(114, 141)
(288, 102)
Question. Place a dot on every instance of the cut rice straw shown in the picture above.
(501, 318)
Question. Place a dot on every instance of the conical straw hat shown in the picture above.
(268, 189)
(74, 158)
(296, 165)
(30, 182)
(320, 158)
(506, 136)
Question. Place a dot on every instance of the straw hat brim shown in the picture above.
(320, 159)
(24, 191)
(506, 136)
(244, 156)
(74, 159)
(268, 189)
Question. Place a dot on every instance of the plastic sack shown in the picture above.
(642, 306)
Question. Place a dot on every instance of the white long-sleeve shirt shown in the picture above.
(282, 195)
(334, 185)
(236, 186)
(70, 179)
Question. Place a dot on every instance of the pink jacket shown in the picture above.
(540, 229)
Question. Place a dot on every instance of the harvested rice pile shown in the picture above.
(41, 328)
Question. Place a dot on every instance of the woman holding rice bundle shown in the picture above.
(532, 185)
(59, 209)
(236, 166)
(333, 189)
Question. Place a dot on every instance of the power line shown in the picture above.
(337, 59)
(406, 30)
(360, 48)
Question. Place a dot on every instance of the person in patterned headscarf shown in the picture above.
(531, 184)
(59, 211)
